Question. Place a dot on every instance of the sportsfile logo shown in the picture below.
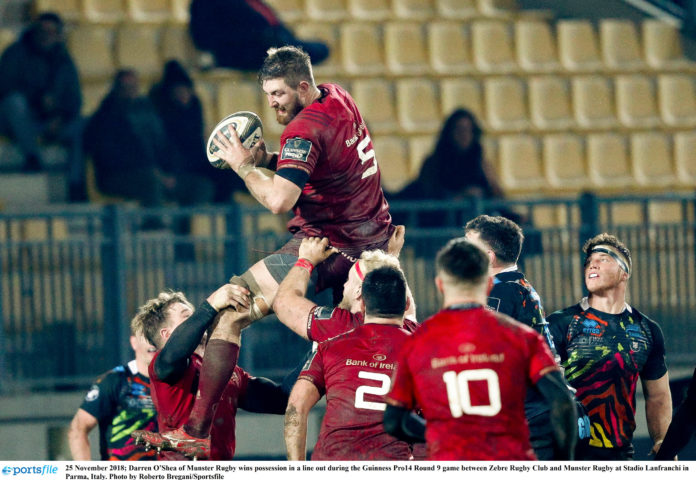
(37, 470)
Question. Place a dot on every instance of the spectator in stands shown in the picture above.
(40, 97)
(606, 345)
(239, 32)
(118, 402)
(132, 156)
(456, 169)
(181, 112)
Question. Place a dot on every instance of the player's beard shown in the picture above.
(289, 111)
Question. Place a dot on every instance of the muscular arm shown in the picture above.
(272, 191)
(174, 357)
(563, 414)
(303, 397)
(658, 408)
(290, 304)
(78, 435)
(264, 396)
(404, 424)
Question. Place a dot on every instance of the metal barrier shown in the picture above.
(71, 278)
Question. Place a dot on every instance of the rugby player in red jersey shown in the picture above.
(170, 323)
(468, 369)
(354, 371)
(326, 173)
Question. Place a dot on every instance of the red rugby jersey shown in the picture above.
(343, 198)
(468, 370)
(327, 322)
(354, 371)
(175, 402)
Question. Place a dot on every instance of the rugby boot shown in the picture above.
(180, 441)
(150, 440)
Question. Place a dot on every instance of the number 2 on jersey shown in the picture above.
(366, 156)
(383, 389)
(459, 396)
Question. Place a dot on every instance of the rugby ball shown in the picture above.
(249, 129)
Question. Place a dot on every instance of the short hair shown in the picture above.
(503, 235)
(463, 261)
(152, 316)
(384, 292)
(290, 63)
(372, 259)
(612, 241)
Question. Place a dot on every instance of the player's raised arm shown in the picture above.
(303, 397)
(290, 304)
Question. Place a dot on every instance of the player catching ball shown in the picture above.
(326, 173)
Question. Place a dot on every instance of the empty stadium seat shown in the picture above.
(685, 158)
(498, 8)
(665, 212)
(536, 46)
(620, 46)
(137, 47)
(419, 147)
(449, 48)
(149, 11)
(492, 48)
(506, 106)
(92, 95)
(327, 10)
(362, 50)
(677, 100)
(375, 99)
(636, 102)
(7, 37)
(177, 44)
(462, 93)
(288, 10)
(69, 10)
(417, 105)
(328, 33)
(520, 164)
(104, 11)
(651, 156)
(578, 50)
(457, 9)
(392, 159)
(564, 162)
(237, 96)
(593, 102)
(413, 9)
(373, 10)
(662, 46)
(91, 47)
(180, 11)
(549, 103)
(608, 161)
(405, 48)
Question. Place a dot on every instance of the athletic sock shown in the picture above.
(218, 365)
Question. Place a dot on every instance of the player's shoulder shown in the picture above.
(565, 314)
(509, 323)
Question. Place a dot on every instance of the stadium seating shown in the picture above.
(578, 49)
(549, 103)
(326, 10)
(92, 47)
(521, 169)
(593, 102)
(375, 98)
(620, 46)
(413, 9)
(104, 11)
(457, 9)
(69, 10)
(392, 158)
(677, 100)
(136, 46)
(149, 11)
(685, 158)
(564, 162)
(362, 50)
(417, 105)
(492, 46)
(535, 46)
(608, 162)
(462, 93)
(636, 101)
(506, 105)
(405, 48)
(651, 157)
(372, 10)
(449, 48)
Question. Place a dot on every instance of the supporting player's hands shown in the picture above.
(230, 296)
(316, 250)
(396, 241)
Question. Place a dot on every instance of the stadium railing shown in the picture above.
(72, 277)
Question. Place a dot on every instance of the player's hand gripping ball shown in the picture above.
(249, 129)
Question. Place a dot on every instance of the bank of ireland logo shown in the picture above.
(6, 471)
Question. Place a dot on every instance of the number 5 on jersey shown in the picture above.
(366, 156)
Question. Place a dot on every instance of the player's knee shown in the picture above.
(259, 305)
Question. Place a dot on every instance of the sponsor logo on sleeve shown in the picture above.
(296, 149)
